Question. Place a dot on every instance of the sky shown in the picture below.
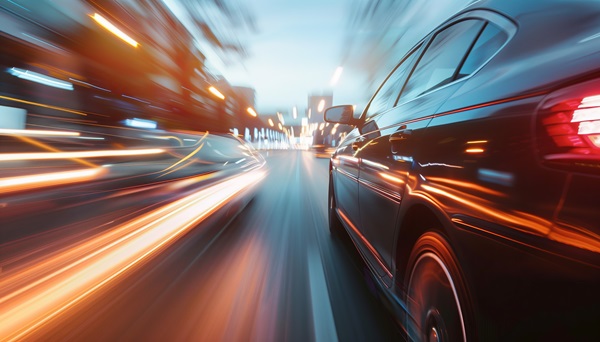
(294, 53)
(299, 44)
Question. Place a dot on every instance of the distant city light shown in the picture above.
(321, 105)
(40, 78)
(279, 125)
(336, 75)
(216, 92)
(114, 30)
(140, 123)
(251, 111)
(271, 122)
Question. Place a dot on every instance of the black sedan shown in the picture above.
(470, 182)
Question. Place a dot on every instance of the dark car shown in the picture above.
(471, 182)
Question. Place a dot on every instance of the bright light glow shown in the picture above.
(309, 112)
(333, 130)
(35, 132)
(474, 150)
(321, 126)
(336, 75)
(49, 286)
(271, 122)
(295, 112)
(251, 111)
(71, 155)
(40, 78)
(589, 127)
(587, 114)
(477, 142)
(141, 123)
(20, 183)
(114, 30)
(279, 125)
(591, 101)
(280, 117)
(321, 105)
(304, 122)
(216, 92)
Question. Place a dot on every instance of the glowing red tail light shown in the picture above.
(568, 126)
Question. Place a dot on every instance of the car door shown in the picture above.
(346, 163)
(387, 154)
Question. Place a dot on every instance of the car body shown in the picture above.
(470, 182)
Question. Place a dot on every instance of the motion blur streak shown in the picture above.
(34, 132)
(43, 105)
(52, 149)
(32, 297)
(72, 155)
(48, 179)
(114, 30)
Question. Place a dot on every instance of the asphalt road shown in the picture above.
(272, 274)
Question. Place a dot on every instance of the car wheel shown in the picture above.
(335, 226)
(435, 292)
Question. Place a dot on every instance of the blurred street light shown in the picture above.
(271, 122)
(216, 92)
(321, 105)
(114, 30)
(252, 112)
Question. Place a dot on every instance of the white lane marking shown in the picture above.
(323, 321)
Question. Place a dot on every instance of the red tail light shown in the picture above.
(568, 126)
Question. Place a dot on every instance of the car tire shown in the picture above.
(335, 225)
(435, 292)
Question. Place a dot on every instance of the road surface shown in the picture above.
(272, 274)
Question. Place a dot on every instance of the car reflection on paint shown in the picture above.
(469, 183)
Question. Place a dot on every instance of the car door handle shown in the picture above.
(400, 135)
(358, 143)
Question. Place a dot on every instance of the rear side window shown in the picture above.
(440, 62)
(388, 93)
(489, 42)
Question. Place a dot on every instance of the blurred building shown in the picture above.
(162, 76)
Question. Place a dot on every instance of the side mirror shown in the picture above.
(341, 114)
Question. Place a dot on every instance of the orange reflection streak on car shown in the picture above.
(467, 185)
(19, 183)
(30, 298)
(518, 220)
(391, 178)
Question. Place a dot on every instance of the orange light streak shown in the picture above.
(216, 92)
(52, 149)
(20, 183)
(43, 105)
(114, 30)
(83, 154)
(35, 132)
(31, 298)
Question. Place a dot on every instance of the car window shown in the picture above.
(388, 93)
(442, 58)
(489, 42)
